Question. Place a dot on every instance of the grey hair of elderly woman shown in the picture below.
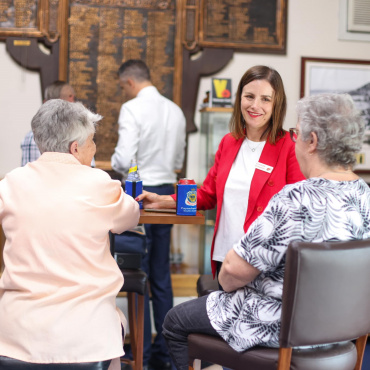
(58, 123)
(337, 123)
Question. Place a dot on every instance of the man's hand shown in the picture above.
(153, 200)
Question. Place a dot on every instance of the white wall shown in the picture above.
(312, 31)
(20, 97)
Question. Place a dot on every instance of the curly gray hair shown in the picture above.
(58, 123)
(337, 123)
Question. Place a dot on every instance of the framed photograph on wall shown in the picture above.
(319, 75)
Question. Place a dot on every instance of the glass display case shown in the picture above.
(214, 125)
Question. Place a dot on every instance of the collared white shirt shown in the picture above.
(152, 128)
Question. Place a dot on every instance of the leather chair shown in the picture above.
(206, 284)
(326, 299)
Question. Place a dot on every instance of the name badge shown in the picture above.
(264, 167)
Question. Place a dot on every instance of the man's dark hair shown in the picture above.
(135, 69)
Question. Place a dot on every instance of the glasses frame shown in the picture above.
(293, 132)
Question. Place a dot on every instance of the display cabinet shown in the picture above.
(214, 125)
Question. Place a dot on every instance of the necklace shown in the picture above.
(253, 149)
(347, 172)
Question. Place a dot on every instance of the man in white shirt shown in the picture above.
(152, 129)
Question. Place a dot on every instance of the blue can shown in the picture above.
(186, 200)
(134, 189)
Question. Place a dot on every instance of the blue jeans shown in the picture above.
(156, 264)
(184, 319)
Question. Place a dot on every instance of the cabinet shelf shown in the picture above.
(214, 125)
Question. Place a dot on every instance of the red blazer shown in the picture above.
(280, 156)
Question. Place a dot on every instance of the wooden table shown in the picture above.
(169, 218)
(182, 284)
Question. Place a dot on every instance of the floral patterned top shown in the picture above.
(312, 210)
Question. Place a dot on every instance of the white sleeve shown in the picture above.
(181, 143)
(128, 141)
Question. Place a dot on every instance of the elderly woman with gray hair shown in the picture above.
(332, 204)
(58, 288)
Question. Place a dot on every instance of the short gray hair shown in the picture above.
(58, 123)
(337, 123)
(53, 91)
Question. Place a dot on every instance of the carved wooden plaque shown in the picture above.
(102, 35)
(19, 16)
(31, 18)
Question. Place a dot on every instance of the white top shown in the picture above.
(151, 127)
(314, 211)
(236, 195)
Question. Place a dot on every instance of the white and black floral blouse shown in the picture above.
(313, 210)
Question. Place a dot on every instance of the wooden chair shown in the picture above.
(135, 285)
(326, 299)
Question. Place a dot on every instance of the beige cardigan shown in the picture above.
(58, 289)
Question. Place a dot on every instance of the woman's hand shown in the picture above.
(153, 200)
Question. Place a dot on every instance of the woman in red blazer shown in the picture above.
(253, 162)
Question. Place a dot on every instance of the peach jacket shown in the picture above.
(58, 289)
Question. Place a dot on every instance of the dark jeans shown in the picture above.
(156, 264)
(184, 319)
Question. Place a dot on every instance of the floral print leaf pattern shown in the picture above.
(313, 210)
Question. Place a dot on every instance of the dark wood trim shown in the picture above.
(170, 218)
(177, 74)
(209, 62)
(26, 52)
(63, 14)
(360, 347)
(304, 61)
(285, 357)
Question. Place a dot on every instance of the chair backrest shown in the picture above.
(326, 293)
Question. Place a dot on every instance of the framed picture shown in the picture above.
(258, 26)
(319, 75)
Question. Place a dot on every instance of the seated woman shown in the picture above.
(333, 204)
(58, 288)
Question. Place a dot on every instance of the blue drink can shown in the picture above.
(186, 200)
(134, 188)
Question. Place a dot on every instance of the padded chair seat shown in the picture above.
(7, 363)
(134, 281)
(215, 350)
(206, 284)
